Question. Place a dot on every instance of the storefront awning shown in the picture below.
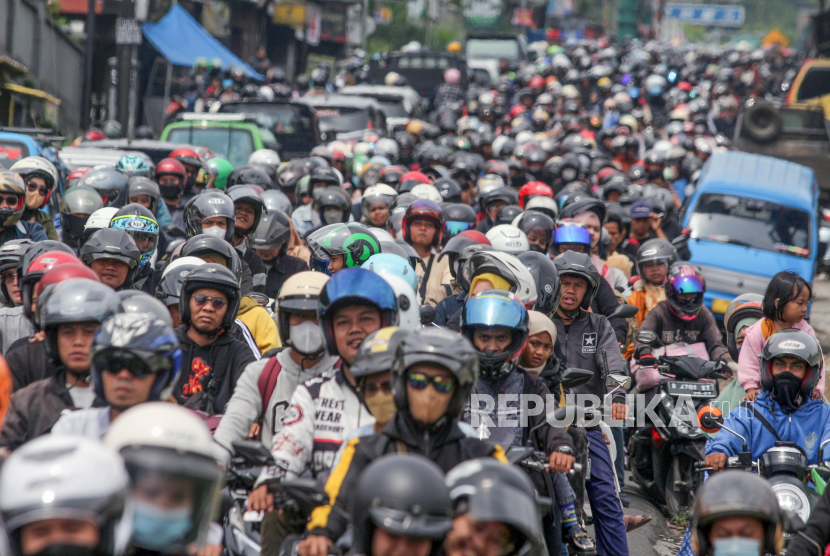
(181, 40)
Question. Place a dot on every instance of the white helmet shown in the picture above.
(498, 143)
(99, 220)
(38, 166)
(378, 193)
(508, 239)
(427, 191)
(543, 202)
(181, 261)
(524, 137)
(526, 291)
(168, 446)
(409, 312)
(66, 476)
(266, 157)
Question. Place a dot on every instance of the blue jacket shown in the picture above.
(163, 215)
(808, 427)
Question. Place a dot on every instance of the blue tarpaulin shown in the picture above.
(180, 39)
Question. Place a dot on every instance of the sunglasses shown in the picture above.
(113, 362)
(442, 384)
(372, 388)
(32, 186)
(11, 200)
(201, 299)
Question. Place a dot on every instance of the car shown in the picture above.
(399, 104)
(750, 217)
(342, 114)
(155, 150)
(230, 136)
(498, 46)
(423, 70)
(89, 156)
(292, 123)
(16, 146)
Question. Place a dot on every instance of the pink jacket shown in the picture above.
(749, 365)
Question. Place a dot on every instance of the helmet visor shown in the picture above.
(494, 309)
(686, 284)
(572, 234)
(453, 228)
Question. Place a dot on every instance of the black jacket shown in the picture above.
(255, 264)
(29, 362)
(445, 444)
(448, 307)
(670, 329)
(604, 303)
(213, 368)
(818, 529)
(284, 267)
(35, 409)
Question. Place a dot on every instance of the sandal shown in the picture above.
(635, 521)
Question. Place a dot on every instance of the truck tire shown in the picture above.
(762, 122)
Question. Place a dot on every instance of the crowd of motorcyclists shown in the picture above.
(375, 315)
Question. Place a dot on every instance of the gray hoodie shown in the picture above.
(13, 326)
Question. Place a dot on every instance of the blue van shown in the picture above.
(750, 217)
(14, 147)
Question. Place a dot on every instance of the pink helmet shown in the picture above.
(452, 76)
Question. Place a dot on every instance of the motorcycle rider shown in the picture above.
(12, 205)
(432, 378)
(43, 510)
(135, 357)
(171, 176)
(738, 513)
(339, 246)
(587, 341)
(10, 254)
(784, 409)
(654, 258)
(249, 212)
(40, 177)
(113, 256)
(270, 241)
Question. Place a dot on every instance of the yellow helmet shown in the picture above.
(454, 46)
(414, 127)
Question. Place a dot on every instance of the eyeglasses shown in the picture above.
(32, 186)
(442, 384)
(201, 299)
(10, 276)
(10, 200)
(372, 388)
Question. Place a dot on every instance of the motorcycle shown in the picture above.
(662, 455)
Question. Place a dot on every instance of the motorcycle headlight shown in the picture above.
(792, 498)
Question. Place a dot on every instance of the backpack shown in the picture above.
(268, 382)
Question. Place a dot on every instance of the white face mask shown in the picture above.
(214, 231)
(333, 216)
(306, 338)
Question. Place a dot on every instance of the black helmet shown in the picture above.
(684, 278)
(140, 342)
(140, 185)
(744, 310)
(736, 494)
(203, 244)
(434, 346)
(795, 343)
(657, 249)
(109, 183)
(74, 301)
(492, 491)
(137, 301)
(242, 194)
(10, 254)
(169, 289)
(506, 194)
(112, 244)
(213, 276)
(461, 270)
(208, 205)
(580, 204)
(405, 495)
(537, 223)
(547, 280)
(449, 189)
(325, 175)
(579, 264)
(376, 353)
(458, 218)
(250, 175)
(274, 199)
(355, 242)
(508, 214)
(76, 205)
(273, 232)
(499, 309)
(332, 197)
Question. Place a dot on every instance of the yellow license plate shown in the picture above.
(720, 305)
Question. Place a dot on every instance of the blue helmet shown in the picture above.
(139, 342)
(496, 309)
(134, 165)
(572, 233)
(355, 286)
(389, 263)
(141, 224)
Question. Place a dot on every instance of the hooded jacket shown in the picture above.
(13, 326)
(246, 403)
(23, 230)
(259, 323)
(444, 443)
(214, 368)
(44, 219)
(808, 427)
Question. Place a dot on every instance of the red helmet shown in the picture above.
(171, 166)
(684, 86)
(605, 174)
(420, 177)
(536, 81)
(477, 236)
(533, 189)
(75, 176)
(424, 209)
(186, 156)
(63, 272)
(516, 110)
(94, 134)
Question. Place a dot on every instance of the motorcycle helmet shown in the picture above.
(332, 206)
(658, 250)
(299, 294)
(109, 183)
(216, 250)
(210, 204)
(274, 199)
(798, 344)
(10, 255)
(579, 264)
(391, 264)
(222, 169)
(37, 166)
(76, 206)
(273, 232)
(546, 279)
(744, 310)
(144, 186)
(169, 289)
(508, 239)
(423, 209)
(684, 279)
(213, 276)
(134, 165)
(141, 224)
(355, 242)
(112, 244)
(98, 220)
(171, 167)
(507, 214)
(533, 189)
(573, 235)
(458, 218)
(244, 195)
(377, 194)
(33, 265)
(12, 184)
(137, 301)
(536, 226)
(543, 204)
(496, 309)
(449, 189)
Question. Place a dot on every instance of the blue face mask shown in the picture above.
(156, 528)
(737, 546)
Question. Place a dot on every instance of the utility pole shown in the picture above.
(86, 98)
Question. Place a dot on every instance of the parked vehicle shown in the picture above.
(342, 114)
(423, 71)
(292, 123)
(16, 146)
(156, 150)
(399, 104)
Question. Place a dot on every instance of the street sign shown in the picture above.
(706, 14)
(313, 24)
(127, 31)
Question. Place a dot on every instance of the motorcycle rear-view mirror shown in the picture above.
(624, 311)
(648, 337)
(427, 314)
(618, 381)
(572, 378)
(253, 451)
(792, 523)
(710, 419)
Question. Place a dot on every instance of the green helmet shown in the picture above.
(354, 241)
(222, 168)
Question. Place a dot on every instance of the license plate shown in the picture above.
(720, 305)
(693, 389)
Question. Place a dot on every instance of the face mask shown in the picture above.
(668, 174)
(214, 231)
(536, 247)
(155, 528)
(382, 407)
(654, 174)
(786, 389)
(332, 216)
(171, 192)
(67, 550)
(306, 337)
(737, 546)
